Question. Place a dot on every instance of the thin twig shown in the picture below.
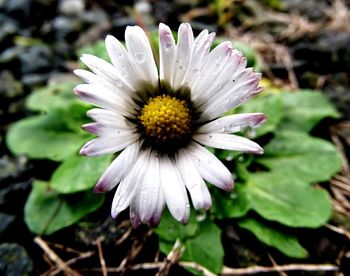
(228, 270)
(124, 236)
(172, 258)
(82, 255)
(290, 267)
(281, 273)
(338, 230)
(100, 255)
(61, 265)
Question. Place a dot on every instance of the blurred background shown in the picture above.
(295, 44)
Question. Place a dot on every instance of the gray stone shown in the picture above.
(14, 260)
(66, 28)
(36, 59)
(17, 8)
(12, 167)
(5, 222)
(71, 7)
(9, 87)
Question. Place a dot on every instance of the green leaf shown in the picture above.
(288, 200)
(76, 116)
(170, 230)
(230, 205)
(307, 158)
(269, 104)
(205, 247)
(53, 96)
(97, 49)
(286, 243)
(305, 108)
(46, 211)
(45, 136)
(79, 173)
(202, 241)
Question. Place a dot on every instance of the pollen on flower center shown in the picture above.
(166, 119)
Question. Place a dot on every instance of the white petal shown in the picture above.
(158, 211)
(215, 63)
(102, 97)
(210, 168)
(108, 131)
(233, 95)
(140, 54)
(118, 168)
(228, 142)
(134, 212)
(233, 123)
(120, 60)
(109, 118)
(92, 78)
(194, 182)
(167, 51)
(130, 185)
(174, 190)
(199, 53)
(149, 190)
(183, 54)
(103, 145)
(228, 74)
(106, 71)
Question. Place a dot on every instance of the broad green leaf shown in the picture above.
(305, 108)
(202, 246)
(53, 96)
(271, 105)
(230, 205)
(287, 199)
(46, 211)
(307, 158)
(78, 173)
(205, 247)
(45, 136)
(76, 116)
(170, 230)
(272, 236)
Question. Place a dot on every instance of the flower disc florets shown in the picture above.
(166, 119)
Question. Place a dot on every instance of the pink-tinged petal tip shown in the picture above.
(83, 151)
(259, 119)
(99, 188)
(207, 206)
(229, 186)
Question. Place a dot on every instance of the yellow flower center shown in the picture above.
(166, 119)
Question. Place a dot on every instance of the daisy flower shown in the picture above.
(160, 124)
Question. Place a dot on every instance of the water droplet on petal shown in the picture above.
(201, 216)
(229, 158)
(167, 46)
(119, 83)
(188, 205)
(140, 57)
